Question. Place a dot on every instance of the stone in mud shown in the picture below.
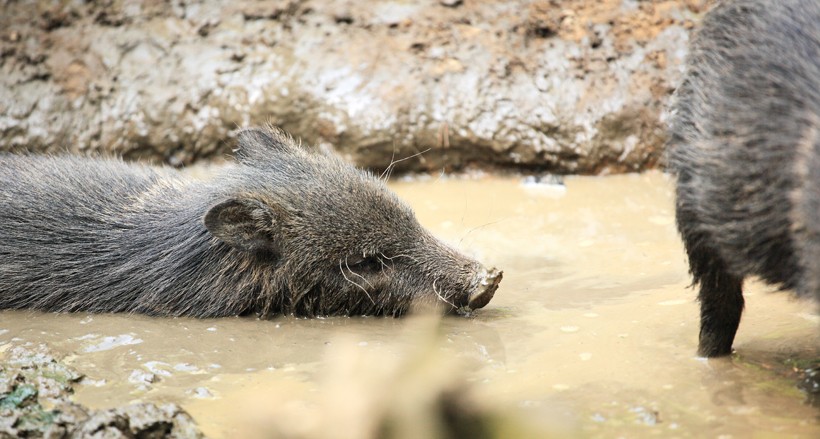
(745, 145)
(288, 230)
(810, 384)
(147, 421)
(35, 402)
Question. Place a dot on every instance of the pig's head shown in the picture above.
(329, 239)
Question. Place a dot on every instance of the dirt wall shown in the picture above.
(561, 86)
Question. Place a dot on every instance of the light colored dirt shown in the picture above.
(565, 86)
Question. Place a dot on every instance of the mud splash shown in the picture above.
(593, 331)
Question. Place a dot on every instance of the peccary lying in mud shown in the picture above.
(745, 145)
(288, 230)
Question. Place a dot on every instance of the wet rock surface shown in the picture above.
(563, 86)
(35, 402)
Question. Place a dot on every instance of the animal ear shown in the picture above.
(244, 224)
(262, 143)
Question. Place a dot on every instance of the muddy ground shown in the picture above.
(564, 86)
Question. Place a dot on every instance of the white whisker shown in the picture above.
(357, 274)
(440, 296)
(477, 228)
(354, 283)
(387, 169)
(392, 164)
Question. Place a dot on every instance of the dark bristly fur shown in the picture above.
(745, 145)
(287, 230)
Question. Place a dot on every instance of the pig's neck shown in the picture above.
(175, 266)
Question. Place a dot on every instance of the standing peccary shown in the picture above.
(745, 145)
(288, 230)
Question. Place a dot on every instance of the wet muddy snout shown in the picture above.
(460, 283)
(487, 285)
(482, 287)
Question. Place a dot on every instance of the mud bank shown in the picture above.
(569, 87)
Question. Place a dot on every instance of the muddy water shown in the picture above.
(592, 332)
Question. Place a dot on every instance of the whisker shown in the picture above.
(387, 169)
(357, 274)
(440, 296)
(392, 164)
(392, 267)
(479, 227)
(354, 283)
(440, 176)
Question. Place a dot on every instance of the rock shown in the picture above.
(34, 378)
(450, 3)
(568, 87)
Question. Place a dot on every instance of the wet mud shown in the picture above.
(572, 86)
(593, 332)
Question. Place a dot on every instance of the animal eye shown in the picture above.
(364, 263)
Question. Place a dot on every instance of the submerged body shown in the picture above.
(745, 145)
(288, 230)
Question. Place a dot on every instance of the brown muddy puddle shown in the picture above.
(592, 332)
